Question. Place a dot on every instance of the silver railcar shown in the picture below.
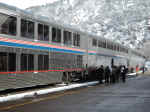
(34, 51)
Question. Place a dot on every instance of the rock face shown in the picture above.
(124, 21)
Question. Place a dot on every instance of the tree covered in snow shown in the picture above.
(123, 21)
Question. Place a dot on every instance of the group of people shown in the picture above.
(112, 74)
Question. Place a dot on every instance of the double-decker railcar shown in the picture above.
(34, 51)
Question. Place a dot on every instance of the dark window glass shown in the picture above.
(3, 62)
(94, 42)
(27, 28)
(24, 29)
(12, 62)
(43, 62)
(109, 46)
(46, 62)
(56, 35)
(40, 31)
(79, 61)
(118, 48)
(46, 32)
(24, 62)
(40, 62)
(30, 62)
(31, 29)
(43, 32)
(67, 38)
(100, 44)
(27, 62)
(8, 24)
(76, 39)
(104, 44)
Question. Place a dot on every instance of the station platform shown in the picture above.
(132, 96)
(48, 90)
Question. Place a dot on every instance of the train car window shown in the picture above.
(27, 28)
(3, 62)
(79, 60)
(7, 62)
(112, 46)
(43, 62)
(12, 62)
(108, 46)
(99, 43)
(8, 24)
(94, 42)
(24, 62)
(46, 33)
(30, 62)
(43, 32)
(40, 62)
(67, 38)
(126, 50)
(46, 62)
(40, 31)
(118, 48)
(56, 35)
(27, 62)
(76, 39)
(104, 44)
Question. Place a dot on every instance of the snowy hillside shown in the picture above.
(124, 21)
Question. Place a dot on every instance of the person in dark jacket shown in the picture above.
(101, 73)
(124, 71)
(107, 75)
(118, 73)
(113, 74)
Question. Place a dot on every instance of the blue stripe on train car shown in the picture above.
(39, 47)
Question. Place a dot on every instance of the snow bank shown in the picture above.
(45, 91)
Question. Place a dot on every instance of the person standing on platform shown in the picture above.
(107, 74)
(113, 74)
(101, 73)
(143, 69)
(124, 70)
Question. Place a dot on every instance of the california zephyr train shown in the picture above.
(34, 51)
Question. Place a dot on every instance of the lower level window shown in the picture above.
(27, 62)
(7, 62)
(43, 62)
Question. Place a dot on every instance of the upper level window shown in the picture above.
(94, 42)
(56, 35)
(109, 46)
(76, 39)
(102, 44)
(118, 48)
(43, 32)
(67, 38)
(27, 28)
(115, 47)
(99, 43)
(8, 24)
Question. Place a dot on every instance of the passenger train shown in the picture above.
(34, 51)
